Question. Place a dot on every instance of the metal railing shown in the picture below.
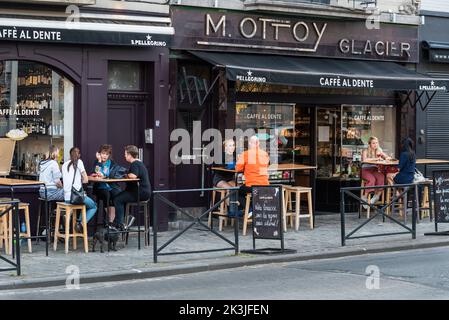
(381, 210)
(232, 194)
(13, 208)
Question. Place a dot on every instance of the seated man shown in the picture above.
(136, 170)
(254, 164)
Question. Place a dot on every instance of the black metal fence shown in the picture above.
(381, 209)
(12, 207)
(232, 195)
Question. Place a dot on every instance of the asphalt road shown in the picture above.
(417, 274)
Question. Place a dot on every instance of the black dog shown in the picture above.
(102, 235)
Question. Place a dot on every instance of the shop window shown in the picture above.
(274, 125)
(343, 133)
(37, 102)
(124, 76)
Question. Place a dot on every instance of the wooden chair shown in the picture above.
(70, 212)
(296, 192)
(222, 211)
(7, 225)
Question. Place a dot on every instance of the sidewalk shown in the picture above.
(130, 263)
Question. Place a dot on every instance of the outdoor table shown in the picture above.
(110, 180)
(395, 162)
(13, 183)
(284, 167)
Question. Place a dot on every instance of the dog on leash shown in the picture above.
(102, 235)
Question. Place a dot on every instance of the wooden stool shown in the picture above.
(381, 200)
(7, 223)
(246, 218)
(425, 201)
(70, 212)
(4, 238)
(146, 217)
(222, 211)
(297, 191)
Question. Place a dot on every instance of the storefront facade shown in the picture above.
(320, 86)
(85, 85)
(432, 134)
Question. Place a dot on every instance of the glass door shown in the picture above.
(328, 141)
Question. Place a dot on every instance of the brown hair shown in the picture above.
(75, 155)
(51, 152)
(105, 148)
(132, 150)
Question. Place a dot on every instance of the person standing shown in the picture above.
(137, 170)
(74, 175)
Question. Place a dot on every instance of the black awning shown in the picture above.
(323, 73)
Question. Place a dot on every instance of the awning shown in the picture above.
(438, 51)
(103, 32)
(322, 73)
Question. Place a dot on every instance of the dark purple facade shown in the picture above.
(96, 108)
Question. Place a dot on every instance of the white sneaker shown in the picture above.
(250, 214)
(374, 199)
(364, 198)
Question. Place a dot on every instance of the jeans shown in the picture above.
(91, 208)
(121, 200)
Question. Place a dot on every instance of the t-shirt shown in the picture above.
(138, 168)
(254, 164)
(67, 177)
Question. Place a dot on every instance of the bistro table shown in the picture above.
(93, 179)
(14, 183)
(395, 162)
(284, 167)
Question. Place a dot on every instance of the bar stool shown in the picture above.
(4, 239)
(51, 205)
(369, 197)
(297, 191)
(246, 218)
(222, 211)
(145, 205)
(70, 212)
(424, 210)
(8, 227)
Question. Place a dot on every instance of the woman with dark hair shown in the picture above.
(50, 173)
(74, 174)
(105, 167)
(407, 164)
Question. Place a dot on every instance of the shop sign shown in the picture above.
(242, 32)
(249, 77)
(340, 82)
(432, 86)
(441, 56)
(84, 37)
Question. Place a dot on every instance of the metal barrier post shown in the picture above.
(342, 215)
(153, 197)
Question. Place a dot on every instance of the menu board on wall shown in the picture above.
(267, 212)
(441, 196)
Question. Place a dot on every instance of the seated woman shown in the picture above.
(370, 172)
(104, 167)
(50, 174)
(74, 175)
(407, 164)
(223, 179)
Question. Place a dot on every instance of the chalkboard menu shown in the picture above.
(267, 212)
(441, 195)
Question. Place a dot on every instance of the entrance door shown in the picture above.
(127, 121)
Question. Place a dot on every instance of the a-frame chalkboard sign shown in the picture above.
(441, 201)
(267, 219)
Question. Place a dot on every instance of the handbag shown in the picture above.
(77, 196)
(418, 176)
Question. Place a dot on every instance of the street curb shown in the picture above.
(136, 274)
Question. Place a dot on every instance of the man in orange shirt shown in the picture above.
(254, 165)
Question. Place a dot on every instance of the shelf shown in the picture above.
(41, 86)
